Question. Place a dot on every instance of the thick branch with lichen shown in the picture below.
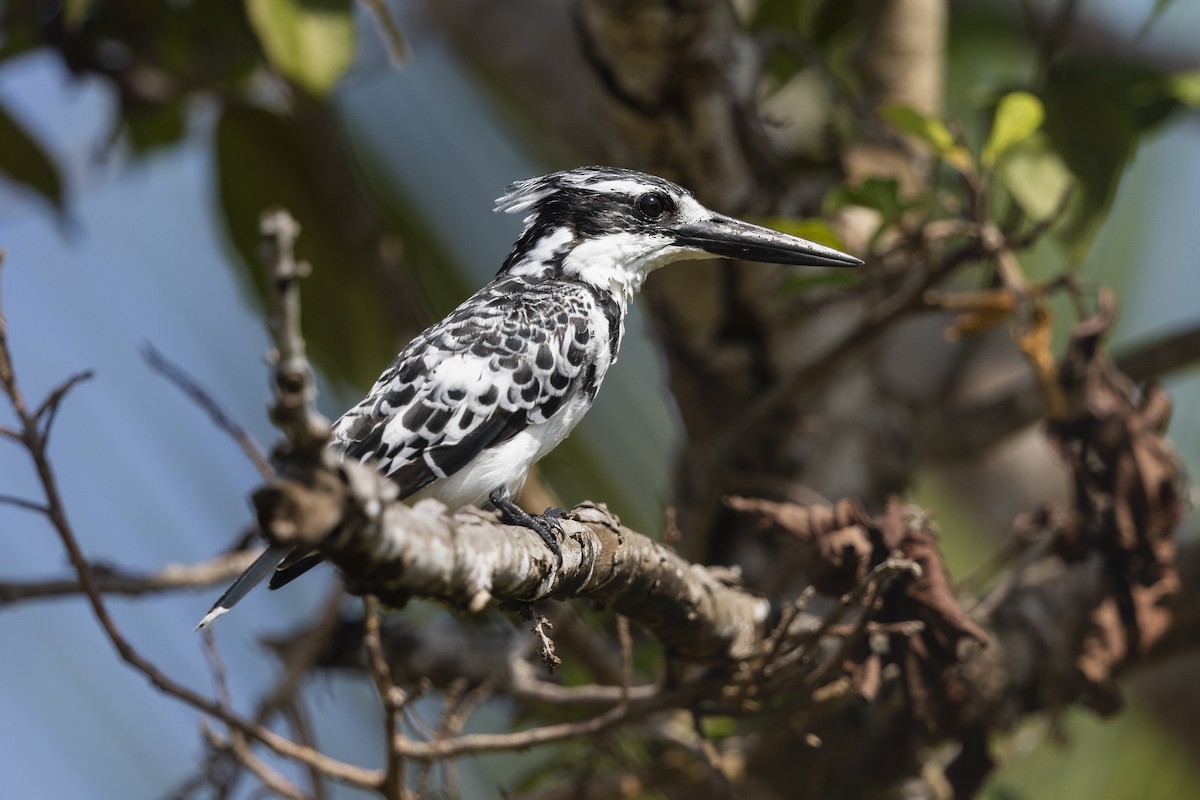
(468, 559)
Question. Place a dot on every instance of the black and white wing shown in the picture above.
(507, 358)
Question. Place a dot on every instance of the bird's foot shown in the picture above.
(545, 525)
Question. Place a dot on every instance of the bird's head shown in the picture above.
(613, 227)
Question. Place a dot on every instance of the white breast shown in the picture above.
(506, 465)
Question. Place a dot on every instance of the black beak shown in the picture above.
(732, 238)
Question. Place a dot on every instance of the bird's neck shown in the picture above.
(596, 263)
(614, 264)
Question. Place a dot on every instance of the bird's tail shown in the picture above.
(263, 566)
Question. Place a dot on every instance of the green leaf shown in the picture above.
(1096, 111)
(907, 119)
(815, 230)
(1018, 116)
(1184, 87)
(775, 15)
(311, 42)
(881, 194)
(932, 132)
(24, 161)
(261, 163)
(834, 19)
(151, 127)
(1036, 177)
(825, 279)
(718, 728)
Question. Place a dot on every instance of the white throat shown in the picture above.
(620, 262)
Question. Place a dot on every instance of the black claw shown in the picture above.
(554, 512)
(547, 528)
(544, 525)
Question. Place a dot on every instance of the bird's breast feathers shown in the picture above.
(473, 401)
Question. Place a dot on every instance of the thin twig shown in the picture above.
(19, 502)
(478, 743)
(524, 686)
(295, 409)
(297, 659)
(389, 30)
(775, 643)
(712, 758)
(625, 637)
(108, 580)
(236, 744)
(203, 398)
(270, 778)
(392, 786)
(217, 667)
(864, 595)
(297, 717)
(48, 410)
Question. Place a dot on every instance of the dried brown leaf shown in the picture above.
(847, 543)
(979, 311)
(839, 535)
(1128, 502)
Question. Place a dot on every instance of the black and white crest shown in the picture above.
(615, 211)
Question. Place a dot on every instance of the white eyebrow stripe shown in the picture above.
(617, 185)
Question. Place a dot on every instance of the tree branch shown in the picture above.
(197, 393)
(110, 580)
(295, 409)
(468, 559)
(968, 430)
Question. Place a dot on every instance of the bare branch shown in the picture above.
(964, 431)
(387, 548)
(20, 502)
(270, 778)
(625, 636)
(389, 30)
(203, 398)
(1161, 355)
(295, 409)
(446, 649)
(48, 410)
(475, 743)
(109, 580)
(390, 695)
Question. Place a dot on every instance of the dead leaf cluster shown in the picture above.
(916, 613)
(1128, 502)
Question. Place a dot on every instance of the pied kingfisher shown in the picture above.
(469, 405)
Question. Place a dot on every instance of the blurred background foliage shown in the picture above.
(139, 141)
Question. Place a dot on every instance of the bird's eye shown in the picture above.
(652, 205)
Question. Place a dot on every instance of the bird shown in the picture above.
(469, 405)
